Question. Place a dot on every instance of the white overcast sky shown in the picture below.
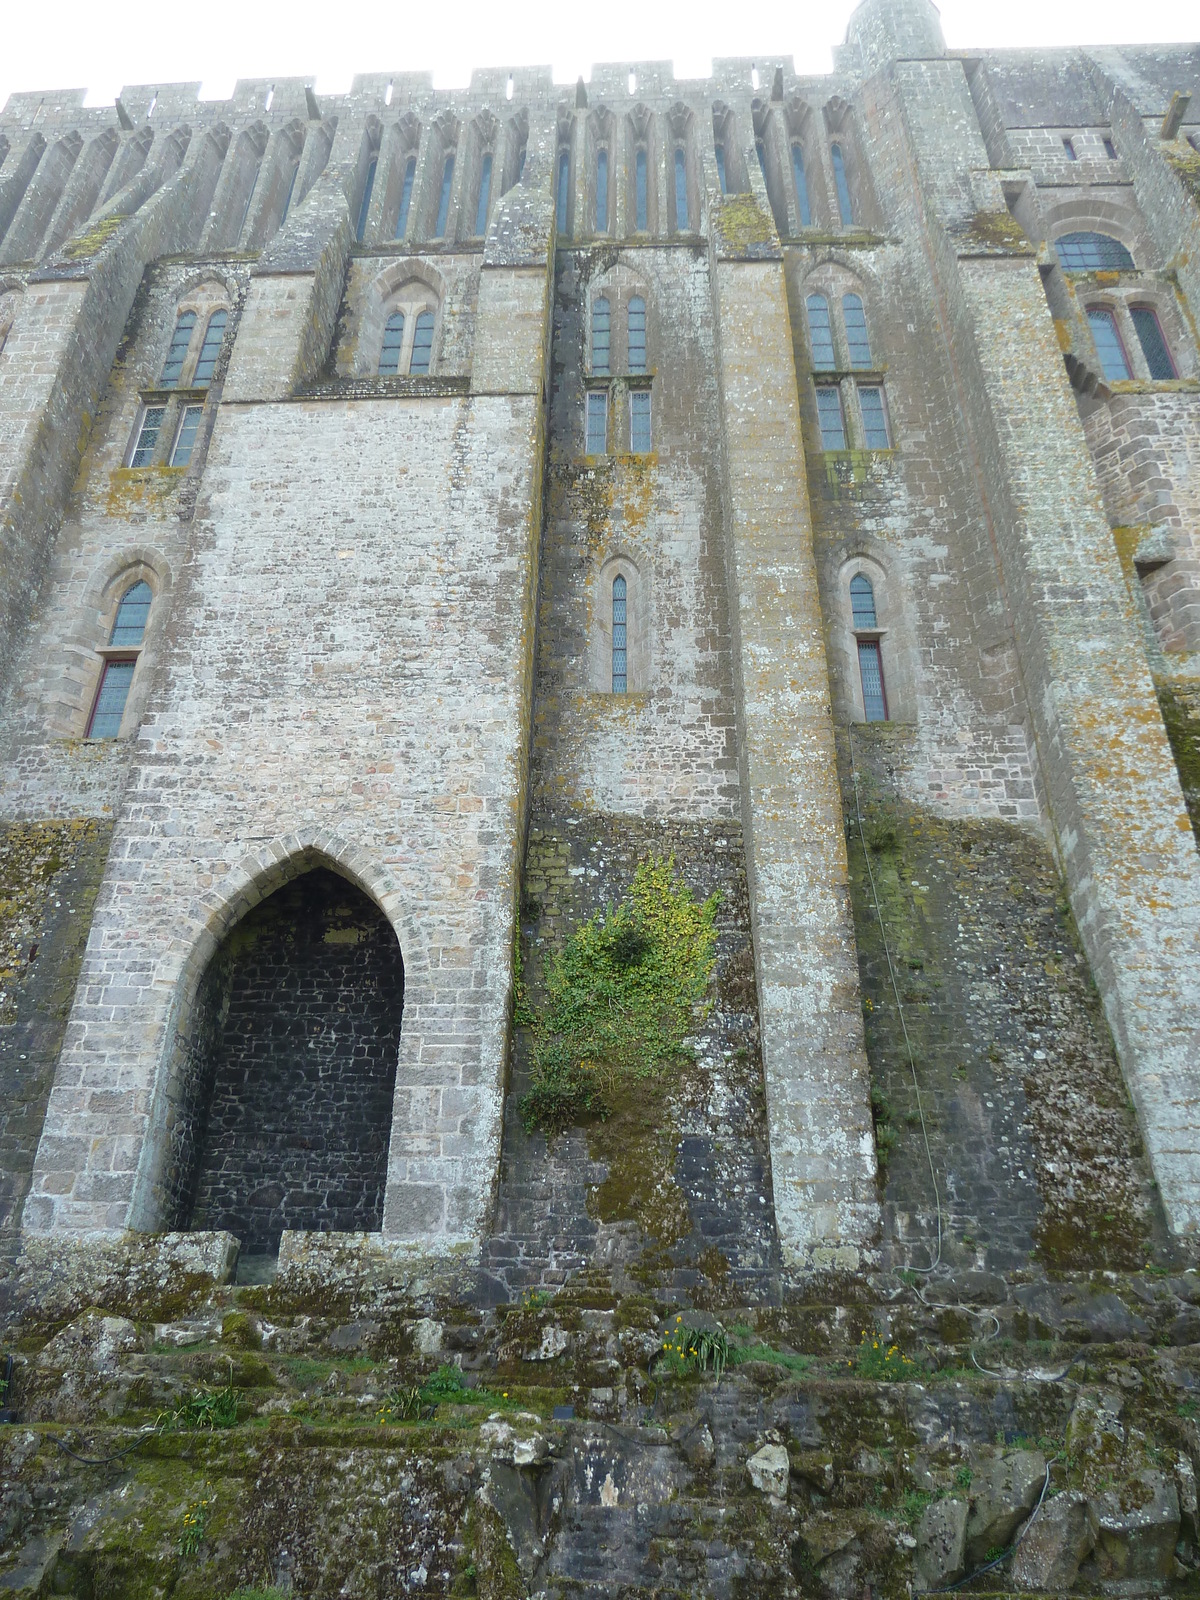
(97, 46)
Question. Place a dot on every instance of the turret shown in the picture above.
(880, 31)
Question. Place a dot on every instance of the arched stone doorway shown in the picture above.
(293, 1047)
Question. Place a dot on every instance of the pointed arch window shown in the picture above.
(393, 343)
(842, 185)
(485, 190)
(185, 437)
(620, 635)
(637, 334)
(862, 601)
(422, 350)
(364, 210)
(410, 173)
(214, 337)
(596, 422)
(1092, 252)
(287, 204)
(682, 219)
(820, 333)
(601, 337)
(602, 191)
(857, 342)
(803, 209)
(116, 678)
(1157, 352)
(1110, 347)
(830, 417)
(870, 672)
(178, 349)
(145, 442)
(443, 214)
(249, 199)
(640, 193)
(870, 654)
(564, 189)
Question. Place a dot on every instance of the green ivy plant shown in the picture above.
(622, 995)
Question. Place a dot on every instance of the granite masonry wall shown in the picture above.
(381, 623)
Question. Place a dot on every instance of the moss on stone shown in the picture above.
(92, 241)
(1180, 703)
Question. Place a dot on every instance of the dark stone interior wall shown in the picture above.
(50, 874)
(304, 1003)
(1034, 1141)
(674, 1189)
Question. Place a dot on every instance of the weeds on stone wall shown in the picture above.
(879, 1361)
(621, 998)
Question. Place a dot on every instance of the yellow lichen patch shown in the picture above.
(1188, 167)
(141, 489)
(744, 223)
(32, 855)
(92, 241)
(997, 230)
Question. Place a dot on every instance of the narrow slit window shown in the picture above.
(640, 191)
(365, 208)
(803, 209)
(1110, 150)
(874, 416)
(829, 416)
(146, 443)
(1154, 346)
(249, 199)
(620, 635)
(214, 337)
(601, 337)
(185, 438)
(115, 682)
(1069, 149)
(637, 334)
(862, 602)
(597, 422)
(842, 184)
(393, 343)
(870, 671)
(485, 190)
(760, 150)
(177, 353)
(820, 333)
(132, 615)
(443, 214)
(639, 422)
(410, 173)
(422, 350)
(287, 204)
(720, 153)
(1114, 363)
(564, 189)
(602, 191)
(682, 220)
(856, 331)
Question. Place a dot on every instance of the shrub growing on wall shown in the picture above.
(621, 998)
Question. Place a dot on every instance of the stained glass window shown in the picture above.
(619, 636)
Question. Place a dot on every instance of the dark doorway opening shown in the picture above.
(292, 1066)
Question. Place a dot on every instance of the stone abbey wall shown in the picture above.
(381, 625)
